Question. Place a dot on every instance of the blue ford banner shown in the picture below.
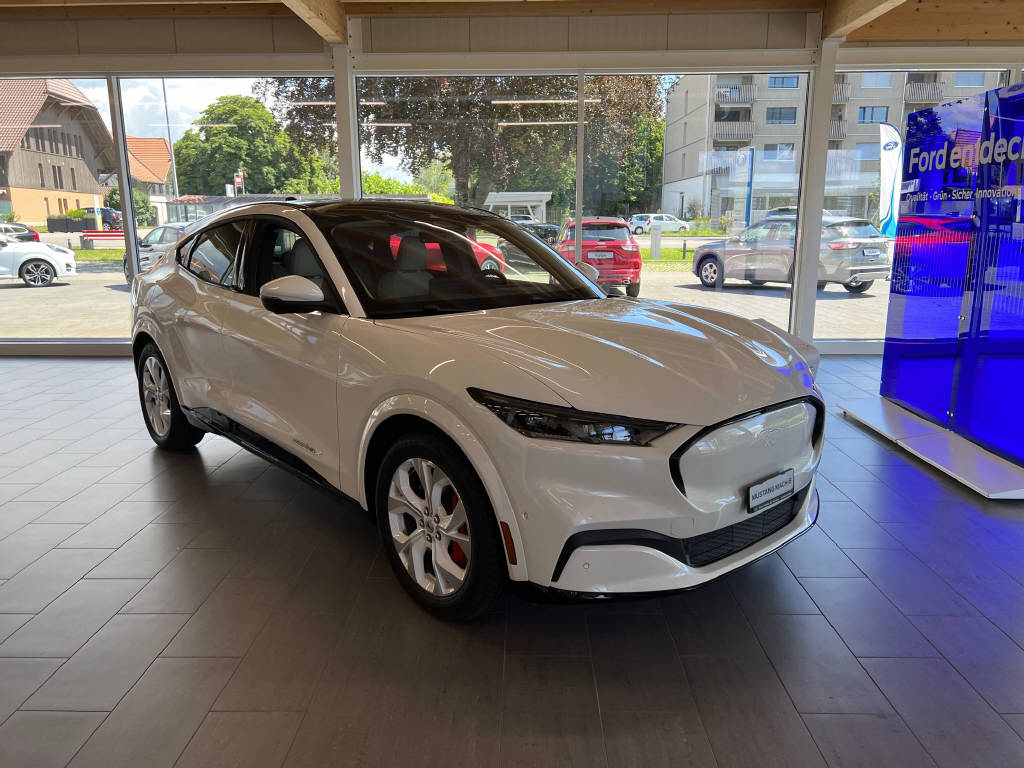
(891, 164)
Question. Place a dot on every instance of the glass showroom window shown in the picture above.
(855, 255)
(711, 163)
(55, 286)
(199, 145)
(506, 143)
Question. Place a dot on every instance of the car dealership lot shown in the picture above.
(95, 303)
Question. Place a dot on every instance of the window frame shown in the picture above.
(785, 78)
(187, 263)
(872, 108)
(865, 79)
(768, 120)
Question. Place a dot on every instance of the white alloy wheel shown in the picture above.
(156, 396)
(709, 274)
(429, 527)
(37, 273)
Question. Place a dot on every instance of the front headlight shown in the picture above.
(556, 422)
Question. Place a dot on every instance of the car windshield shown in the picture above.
(418, 263)
(854, 228)
(600, 231)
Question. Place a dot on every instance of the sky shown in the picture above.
(144, 116)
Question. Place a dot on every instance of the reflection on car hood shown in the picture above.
(712, 245)
(637, 358)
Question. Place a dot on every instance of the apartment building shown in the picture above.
(733, 143)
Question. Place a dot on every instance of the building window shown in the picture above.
(783, 81)
(56, 180)
(876, 80)
(37, 137)
(868, 150)
(74, 179)
(42, 176)
(782, 151)
(53, 141)
(46, 202)
(867, 115)
(970, 79)
(781, 116)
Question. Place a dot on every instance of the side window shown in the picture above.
(784, 230)
(215, 251)
(278, 251)
(169, 236)
(153, 237)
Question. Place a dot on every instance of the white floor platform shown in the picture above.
(981, 471)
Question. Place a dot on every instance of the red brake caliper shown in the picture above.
(458, 556)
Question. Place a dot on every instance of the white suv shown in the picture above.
(497, 424)
(643, 223)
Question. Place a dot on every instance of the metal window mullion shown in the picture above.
(580, 139)
(124, 178)
(347, 119)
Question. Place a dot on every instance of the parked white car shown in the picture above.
(643, 223)
(38, 264)
(498, 425)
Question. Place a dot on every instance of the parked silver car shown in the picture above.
(156, 244)
(853, 253)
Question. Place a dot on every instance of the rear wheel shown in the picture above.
(161, 411)
(490, 265)
(858, 287)
(710, 272)
(37, 273)
(633, 289)
(438, 527)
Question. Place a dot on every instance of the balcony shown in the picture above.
(735, 94)
(922, 93)
(836, 128)
(840, 93)
(734, 130)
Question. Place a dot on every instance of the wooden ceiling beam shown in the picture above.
(843, 17)
(152, 11)
(946, 20)
(326, 17)
(571, 7)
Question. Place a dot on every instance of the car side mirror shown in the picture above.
(734, 239)
(589, 271)
(292, 294)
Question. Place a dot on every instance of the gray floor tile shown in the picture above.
(540, 683)
(1016, 722)
(19, 678)
(850, 527)
(867, 741)
(280, 551)
(953, 722)
(1001, 600)
(30, 543)
(281, 669)
(768, 586)
(33, 588)
(115, 526)
(867, 622)
(943, 552)
(249, 739)
(66, 484)
(8, 492)
(815, 554)
(990, 661)
(146, 553)
(553, 630)
(229, 620)
(155, 721)
(709, 621)
(102, 672)
(184, 583)
(837, 468)
(880, 502)
(636, 664)
(45, 739)
(238, 525)
(9, 622)
(15, 514)
(68, 622)
(910, 584)
(742, 696)
(818, 670)
(569, 739)
(654, 739)
(86, 506)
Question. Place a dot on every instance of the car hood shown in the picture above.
(712, 245)
(644, 359)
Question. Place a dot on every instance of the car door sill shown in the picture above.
(216, 422)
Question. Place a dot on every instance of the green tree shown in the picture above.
(378, 184)
(437, 178)
(239, 132)
(145, 214)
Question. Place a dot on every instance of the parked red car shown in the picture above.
(489, 257)
(608, 246)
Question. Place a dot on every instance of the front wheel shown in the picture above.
(638, 230)
(633, 289)
(858, 287)
(710, 272)
(438, 527)
(161, 411)
(37, 273)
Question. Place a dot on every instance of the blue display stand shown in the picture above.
(954, 347)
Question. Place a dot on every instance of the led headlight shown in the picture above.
(555, 422)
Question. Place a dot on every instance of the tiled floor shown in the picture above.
(208, 610)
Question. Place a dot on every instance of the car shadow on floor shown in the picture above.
(119, 287)
(9, 284)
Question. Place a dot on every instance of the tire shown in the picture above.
(107, 226)
(633, 289)
(710, 272)
(638, 231)
(37, 273)
(472, 580)
(170, 429)
(490, 265)
(822, 284)
(858, 287)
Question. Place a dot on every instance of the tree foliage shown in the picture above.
(378, 184)
(500, 133)
(239, 132)
(145, 214)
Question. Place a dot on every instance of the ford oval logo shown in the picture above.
(889, 146)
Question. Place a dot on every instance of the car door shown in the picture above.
(147, 248)
(197, 294)
(7, 257)
(777, 254)
(742, 254)
(285, 366)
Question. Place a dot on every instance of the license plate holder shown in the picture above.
(770, 491)
(601, 255)
(871, 252)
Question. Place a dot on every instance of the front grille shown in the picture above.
(711, 547)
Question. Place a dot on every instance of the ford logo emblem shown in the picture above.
(889, 146)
